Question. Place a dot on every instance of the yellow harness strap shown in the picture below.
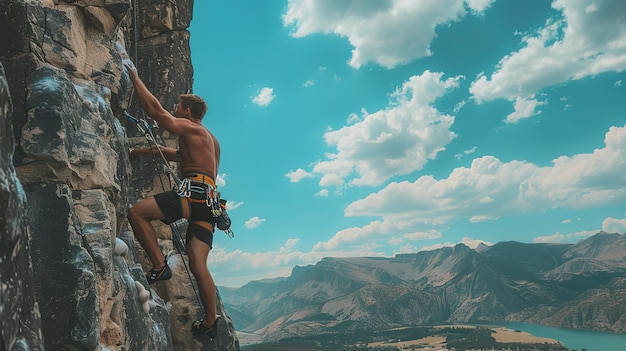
(186, 200)
(201, 178)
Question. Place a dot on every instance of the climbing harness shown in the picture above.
(204, 185)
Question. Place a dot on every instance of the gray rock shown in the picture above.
(66, 143)
(20, 320)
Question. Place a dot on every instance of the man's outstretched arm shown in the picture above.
(151, 105)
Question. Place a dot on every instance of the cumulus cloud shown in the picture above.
(614, 225)
(254, 222)
(264, 97)
(231, 205)
(221, 180)
(490, 189)
(351, 235)
(524, 108)
(586, 41)
(323, 193)
(396, 141)
(298, 175)
(386, 32)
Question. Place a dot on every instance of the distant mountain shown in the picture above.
(578, 285)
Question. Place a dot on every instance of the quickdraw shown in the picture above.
(201, 184)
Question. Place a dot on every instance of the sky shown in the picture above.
(378, 127)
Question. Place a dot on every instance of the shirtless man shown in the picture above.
(199, 157)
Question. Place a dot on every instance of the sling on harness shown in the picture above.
(203, 184)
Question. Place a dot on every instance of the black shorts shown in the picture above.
(170, 204)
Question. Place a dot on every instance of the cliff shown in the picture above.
(71, 273)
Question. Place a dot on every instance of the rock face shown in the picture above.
(71, 273)
(564, 285)
(20, 322)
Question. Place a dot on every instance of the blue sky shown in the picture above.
(372, 127)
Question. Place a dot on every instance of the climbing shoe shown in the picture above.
(155, 275)
(199, 328)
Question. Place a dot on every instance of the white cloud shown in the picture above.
(486, 199)
(396, 141)
(466, 152)
(221, 180)
(354, 118)
(491, 189)
(254, 222)
(308, 83)
(386, 32)
(587, 41)
(290, 244)
(231, 205)
(431, 234)
(395, 241)
(353, 235)
(330, 179)
(565, 238)
(298, 175)
(323, 193)
(614, 225)
(524, 108)
(581, 181)
(406, 249)
(265, 97)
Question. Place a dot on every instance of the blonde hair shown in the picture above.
(195, 103)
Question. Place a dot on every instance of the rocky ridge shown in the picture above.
(578, 285)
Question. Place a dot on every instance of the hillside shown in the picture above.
(563, 285)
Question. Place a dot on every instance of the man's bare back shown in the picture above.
(199, 153)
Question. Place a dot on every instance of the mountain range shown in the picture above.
(580, 285)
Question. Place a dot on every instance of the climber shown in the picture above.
(199, 157)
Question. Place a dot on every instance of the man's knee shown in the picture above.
(197, 262)
(197, 267)
(132, 214)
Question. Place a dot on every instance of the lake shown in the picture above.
(574, 338)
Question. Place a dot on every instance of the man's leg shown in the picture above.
(198, 252)
(139, 217)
